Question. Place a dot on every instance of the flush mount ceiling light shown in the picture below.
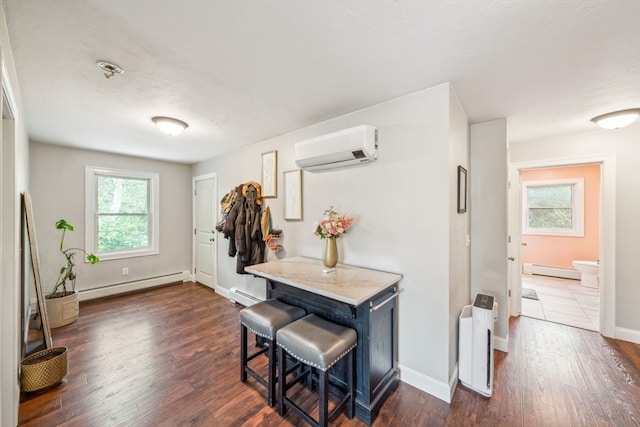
(617, 119)
(169, 125)
(109, 69)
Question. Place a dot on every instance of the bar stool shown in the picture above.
(264, 319)
(320, 344)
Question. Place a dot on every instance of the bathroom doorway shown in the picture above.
(550, 274)
(560, 225)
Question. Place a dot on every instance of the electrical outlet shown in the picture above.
(125, 271)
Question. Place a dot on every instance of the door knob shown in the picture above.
(212, 239)
(523, 244)
(511, 258)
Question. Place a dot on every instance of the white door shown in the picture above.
(205, 199)
(515, 244)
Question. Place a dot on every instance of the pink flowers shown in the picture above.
(332, 224)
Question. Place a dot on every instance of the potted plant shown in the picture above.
(62, 302)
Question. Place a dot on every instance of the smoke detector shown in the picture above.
(109, 69)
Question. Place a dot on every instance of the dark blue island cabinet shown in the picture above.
(360, 298)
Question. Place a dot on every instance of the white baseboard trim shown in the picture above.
(222, 291)
(628, 335)
(453, 382)
(439, 389)
(501, 344)
(136, 285)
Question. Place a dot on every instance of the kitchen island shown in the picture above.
(360, 298)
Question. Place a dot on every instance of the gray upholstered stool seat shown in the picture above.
(317, 343)
(264, 319)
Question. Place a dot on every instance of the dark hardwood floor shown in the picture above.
(170, 357)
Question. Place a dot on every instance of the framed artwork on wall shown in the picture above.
(270, 174)
(462, 189)
(293, 194)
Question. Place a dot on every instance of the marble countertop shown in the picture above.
(348, 284)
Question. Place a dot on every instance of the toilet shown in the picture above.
(589, 273)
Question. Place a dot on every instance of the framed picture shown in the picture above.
(270, 174)
(462, 189)
(293, 194)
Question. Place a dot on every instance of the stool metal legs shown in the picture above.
(270, 349)
(348, 400)
(243, 353)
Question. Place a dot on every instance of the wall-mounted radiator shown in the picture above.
(241, 297)
(548, 270)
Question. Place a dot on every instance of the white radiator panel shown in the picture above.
(241, 297)
(547, 270)
(120, 288)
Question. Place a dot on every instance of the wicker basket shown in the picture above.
(43, 368)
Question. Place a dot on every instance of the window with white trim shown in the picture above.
(553, 207)
(122, 213)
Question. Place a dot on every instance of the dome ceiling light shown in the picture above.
(169, 125)
(109, 69)
(617, 119)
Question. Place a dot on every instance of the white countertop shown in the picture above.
(348, 284)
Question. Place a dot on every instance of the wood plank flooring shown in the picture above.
(170, 357)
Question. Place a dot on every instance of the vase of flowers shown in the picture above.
(330, 252)
(330, 227)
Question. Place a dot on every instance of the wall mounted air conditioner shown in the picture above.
(346, 147)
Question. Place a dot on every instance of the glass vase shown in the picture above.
(330, 252)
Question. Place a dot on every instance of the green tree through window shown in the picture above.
(551, 206)
(123, 213)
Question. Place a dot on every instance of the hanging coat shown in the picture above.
(243, 228)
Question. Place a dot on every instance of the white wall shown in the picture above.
(57, 176)
(459, 293)
(402, 204)
(488, 188)
(14, 166)
(624, 144)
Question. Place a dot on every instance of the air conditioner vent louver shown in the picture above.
(347, 147)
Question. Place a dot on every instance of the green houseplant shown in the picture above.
(62, 302)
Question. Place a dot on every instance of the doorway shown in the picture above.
(204, 219)
(560, 217)
(606, 291)
(12, 312)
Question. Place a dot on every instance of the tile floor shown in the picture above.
(562, 301)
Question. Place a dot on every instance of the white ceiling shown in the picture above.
(242, 71)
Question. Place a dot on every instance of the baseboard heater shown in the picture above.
(548, 270)
(240, 297)
(134, 285)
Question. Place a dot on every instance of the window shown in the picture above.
(553, 207)
(121, 213)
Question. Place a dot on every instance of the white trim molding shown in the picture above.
(439, 389)
(628, 335)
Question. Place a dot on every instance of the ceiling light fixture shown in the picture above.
(109, 69)
(617, 119)
(169, 125)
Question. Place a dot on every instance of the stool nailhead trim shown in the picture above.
(258, 333)
(306, 362)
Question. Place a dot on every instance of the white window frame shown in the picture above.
(577, 208)
(91, 214)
